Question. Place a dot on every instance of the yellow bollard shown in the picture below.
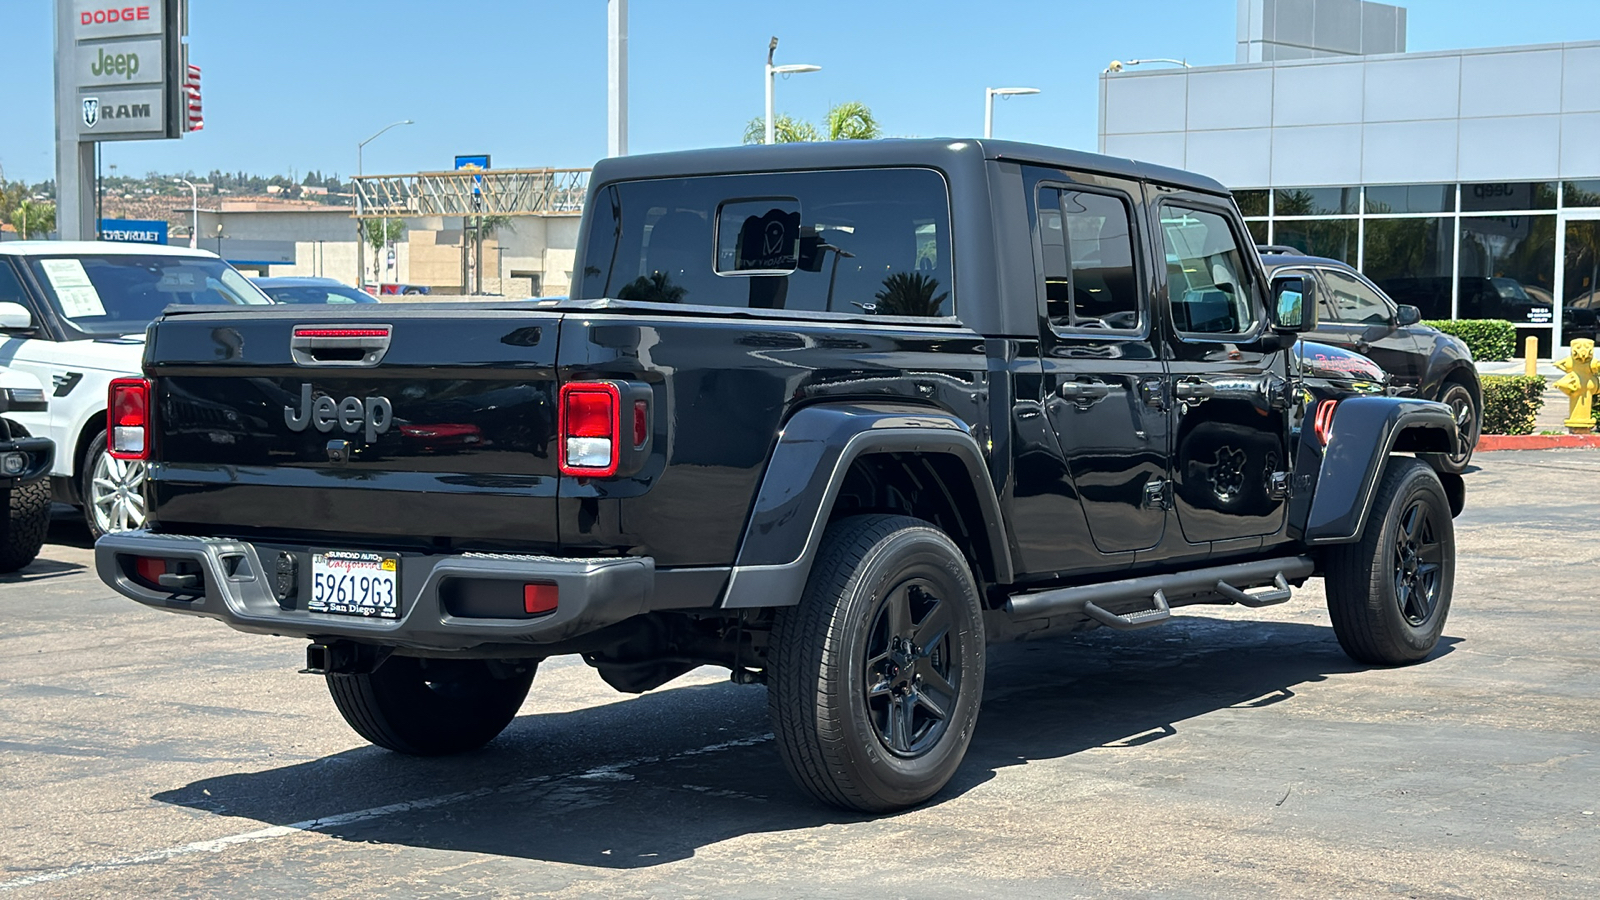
(1530, 357)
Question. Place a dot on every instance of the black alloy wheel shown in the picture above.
(911, 679)
(1418, 564)
(1465, 412)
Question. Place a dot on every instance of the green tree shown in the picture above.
(853, 121)
(380, 233)
(30, 218)
(786, 129)
(909, 294)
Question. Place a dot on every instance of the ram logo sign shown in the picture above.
(91, 111)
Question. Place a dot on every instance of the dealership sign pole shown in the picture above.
(121, 69)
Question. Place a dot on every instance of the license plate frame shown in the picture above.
(356, 583)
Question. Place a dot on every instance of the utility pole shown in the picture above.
(617, 78)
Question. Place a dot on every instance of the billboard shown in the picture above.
(126, 69)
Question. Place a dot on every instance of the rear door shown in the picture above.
(1103, 371)
(417, 425)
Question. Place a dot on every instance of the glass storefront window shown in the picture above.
(1322, 201)
(1506, 195)
(1507, 269)
(1251, 203)
(1258, 230)
(1582, 193)
(1583, 266)
(1411, 198)
(1411, 260)
(1333, 238)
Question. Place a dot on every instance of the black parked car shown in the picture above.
(294, 289)
(1425, 362)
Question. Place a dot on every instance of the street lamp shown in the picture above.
(1118, 65)
(988, 104)
(361, 225)
(194, 209)
(772, 74)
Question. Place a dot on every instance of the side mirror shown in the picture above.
(1407, 315)
(15, 317)
(1294, 305)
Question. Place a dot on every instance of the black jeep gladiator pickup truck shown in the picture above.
(834, 416)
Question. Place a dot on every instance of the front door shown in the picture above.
(1356, 316)
(1103, 372)
(1229, 459)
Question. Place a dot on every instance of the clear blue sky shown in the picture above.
(294, 84)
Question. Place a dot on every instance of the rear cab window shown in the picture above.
(1091, 283)
(861, 241)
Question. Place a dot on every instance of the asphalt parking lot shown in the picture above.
(1233, 753)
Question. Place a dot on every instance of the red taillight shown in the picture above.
(341, 332)
(538, 599)
(128, 418)
(590, 428)
(1322, 425)
(641, 423)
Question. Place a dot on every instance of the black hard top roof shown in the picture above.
(947, 154)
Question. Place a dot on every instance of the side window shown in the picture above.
(1090, 281)
(1206, 274)
(1354, 301)
(10, 287)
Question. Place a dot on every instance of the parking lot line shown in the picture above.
(361, 815)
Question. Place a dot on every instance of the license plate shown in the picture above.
(353, 583)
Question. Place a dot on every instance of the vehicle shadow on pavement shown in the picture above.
(653, 779)
(41, 569)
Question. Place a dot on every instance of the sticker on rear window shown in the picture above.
(74, 291)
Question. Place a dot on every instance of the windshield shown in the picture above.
(318, 293)
(121, 293)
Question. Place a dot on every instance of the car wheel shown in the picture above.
(1468, 422)
(113, 491)
(1389, 593)
(432, 707)
(877, 675)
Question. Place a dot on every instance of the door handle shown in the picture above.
(1085, 391)
(1193, 391)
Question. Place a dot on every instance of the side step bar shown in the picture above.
(1229, 582)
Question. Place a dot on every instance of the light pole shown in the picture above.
(194, 211)
(361, 224)
(988, 104)
(772, 75)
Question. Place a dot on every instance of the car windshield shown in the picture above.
(121, 293)
(316, 293)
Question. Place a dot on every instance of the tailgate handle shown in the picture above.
(339, 345)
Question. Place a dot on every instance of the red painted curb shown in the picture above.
(1491, 442)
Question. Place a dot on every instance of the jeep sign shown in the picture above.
(124, 66)
(123, 62)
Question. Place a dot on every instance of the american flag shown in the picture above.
(191, 90)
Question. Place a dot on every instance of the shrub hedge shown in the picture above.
(1490, 340)
(1511, 402)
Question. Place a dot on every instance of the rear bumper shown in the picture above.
(240, 581)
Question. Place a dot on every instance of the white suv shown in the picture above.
(73, 314)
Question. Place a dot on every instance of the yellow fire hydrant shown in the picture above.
(1580, 384)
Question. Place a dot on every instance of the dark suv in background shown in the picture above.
(1355, 314)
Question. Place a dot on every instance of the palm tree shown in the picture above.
(853, 121)
(909, 294)
(849, 121)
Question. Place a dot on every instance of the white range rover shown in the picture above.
(73, 314)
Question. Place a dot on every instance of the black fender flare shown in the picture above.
(804, 473)
(1365, 431)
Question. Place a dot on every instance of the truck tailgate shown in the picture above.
(320, 423)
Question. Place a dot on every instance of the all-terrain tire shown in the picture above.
(432, 707)
(23, 531)
(1469, 419)
(887, 637)
(1389, 593)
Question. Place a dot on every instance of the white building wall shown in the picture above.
(1510, 113)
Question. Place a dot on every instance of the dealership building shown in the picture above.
(1464, 182)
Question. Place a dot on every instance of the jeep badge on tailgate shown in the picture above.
(350, 414)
